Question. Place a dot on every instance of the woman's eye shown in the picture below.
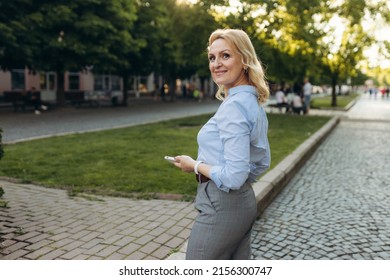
(211, 58)
(225, 55)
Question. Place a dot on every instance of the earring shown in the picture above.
(246, 70)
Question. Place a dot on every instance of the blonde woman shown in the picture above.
(233, 151)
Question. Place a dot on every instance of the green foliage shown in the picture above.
(294, 38)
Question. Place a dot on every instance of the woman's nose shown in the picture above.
(217, 62)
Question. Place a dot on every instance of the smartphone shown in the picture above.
(170, 159)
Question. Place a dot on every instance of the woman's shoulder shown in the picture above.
(246, 99)
(243, 103)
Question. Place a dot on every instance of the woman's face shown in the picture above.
(225, 65)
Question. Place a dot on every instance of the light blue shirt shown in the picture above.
(234, 141)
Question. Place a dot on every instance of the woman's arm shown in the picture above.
(187, 164)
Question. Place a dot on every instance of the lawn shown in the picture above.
(326, 101)
(129, 161)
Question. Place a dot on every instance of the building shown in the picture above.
(92, 86)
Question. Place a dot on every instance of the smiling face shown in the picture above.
(226, 65)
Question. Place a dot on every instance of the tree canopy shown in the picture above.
(324, 40)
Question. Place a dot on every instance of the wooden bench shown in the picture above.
(75, 98)
(18, 99)
(90, 98)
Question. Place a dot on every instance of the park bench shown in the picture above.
(75, 97)
(91, 98)
(18, 99)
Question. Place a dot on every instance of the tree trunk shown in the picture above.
(334, 96)
(172, 89)
(125, 79)
(60, 94)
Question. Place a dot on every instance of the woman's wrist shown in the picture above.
(197, 163)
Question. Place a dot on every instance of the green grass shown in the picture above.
(130, 160)
(326, 101)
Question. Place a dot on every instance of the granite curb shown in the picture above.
(270, 185)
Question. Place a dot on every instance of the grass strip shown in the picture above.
(326, 101)
(128, 161)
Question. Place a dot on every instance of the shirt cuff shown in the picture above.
(215, 170)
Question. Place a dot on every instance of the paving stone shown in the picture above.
(52, 255)
(150, 247)
(344, 231)
(14, 255)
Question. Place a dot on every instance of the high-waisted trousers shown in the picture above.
(222, 229)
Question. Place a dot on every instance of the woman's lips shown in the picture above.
(219, 73)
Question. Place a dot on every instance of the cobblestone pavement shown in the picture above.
(44, 223)
(338, 205)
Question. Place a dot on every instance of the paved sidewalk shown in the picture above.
(44, 223)
(27, 126)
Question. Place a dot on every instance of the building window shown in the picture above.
(106, 82)
(18, 81)
(115, 83)
(48, 81)
(101, 82)
(74, 81)
(98, 82)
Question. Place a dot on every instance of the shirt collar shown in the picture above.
(246, 88)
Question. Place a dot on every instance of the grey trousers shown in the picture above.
(222, 229)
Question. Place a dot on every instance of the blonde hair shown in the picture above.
(240, 41)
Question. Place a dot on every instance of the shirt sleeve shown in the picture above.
(234, 131)
(258, 168)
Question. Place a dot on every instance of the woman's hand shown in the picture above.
(185, 163)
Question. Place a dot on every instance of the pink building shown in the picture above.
(94, 86)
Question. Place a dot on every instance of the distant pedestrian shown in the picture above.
(297, 105)
(233, 151)
(162, 92)
(35, 98)
(281, 100)
(307, 91)
(184, 91)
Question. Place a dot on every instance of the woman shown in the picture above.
(233, 151)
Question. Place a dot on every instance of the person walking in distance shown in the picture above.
(307, 90)
(233, 150)
(35, 98)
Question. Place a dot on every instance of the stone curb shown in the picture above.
(269, 186)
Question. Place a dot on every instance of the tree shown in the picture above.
(193, 36)
(183, 46)
(340, 52)
(282, 33)
(67, 36)
(82, 33)
(14, 34)
(149, 30)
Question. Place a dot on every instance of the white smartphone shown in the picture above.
(170, 159)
